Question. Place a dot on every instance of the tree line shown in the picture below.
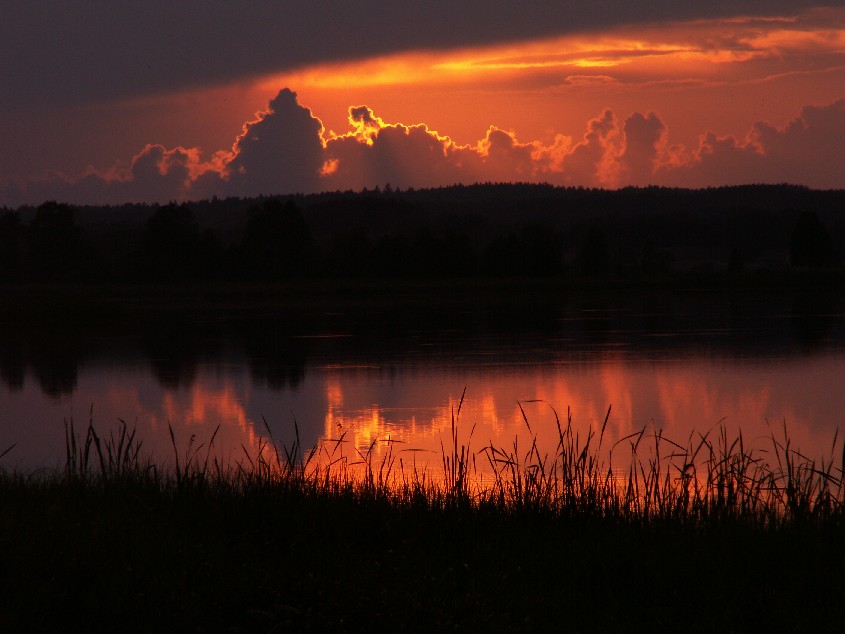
(485, 230)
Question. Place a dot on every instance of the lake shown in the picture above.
(385, 368)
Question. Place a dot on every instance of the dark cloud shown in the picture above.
(643, 136)
(282, 151)
(719, 160)
(809, 151)
(363, 117)
(155, 174)
(60, 52)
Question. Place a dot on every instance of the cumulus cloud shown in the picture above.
(644, 138)
(807, 151)
(591, 161)
(504, 158)
(286, 150)
(281, 151)
(154, 174)
(810, 149)
(375, 152)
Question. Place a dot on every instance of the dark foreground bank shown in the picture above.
(717, 538)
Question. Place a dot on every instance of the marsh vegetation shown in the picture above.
(706, 534)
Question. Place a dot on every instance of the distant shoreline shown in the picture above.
(632, 237)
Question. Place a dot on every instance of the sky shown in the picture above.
(112, 102)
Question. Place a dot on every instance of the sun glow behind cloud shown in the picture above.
(690, 48)
(717, 74)
(656, 104)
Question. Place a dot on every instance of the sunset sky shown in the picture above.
(157, 101)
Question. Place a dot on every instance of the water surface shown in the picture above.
(385, 372)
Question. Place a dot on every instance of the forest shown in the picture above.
(478, 231)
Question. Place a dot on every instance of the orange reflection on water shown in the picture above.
(197, 415)
(412, 407)
(681, 399)
(203, 404)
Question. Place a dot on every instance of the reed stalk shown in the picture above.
(709, 478)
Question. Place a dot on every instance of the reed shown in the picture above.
(710, 478)
(708, 534)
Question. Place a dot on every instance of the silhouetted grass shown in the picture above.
(705, 535)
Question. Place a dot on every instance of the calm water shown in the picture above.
(376, 370)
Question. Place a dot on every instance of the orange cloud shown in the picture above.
(645, 141)
(698, 47)
(374, 152)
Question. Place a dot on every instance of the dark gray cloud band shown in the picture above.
(55, 51)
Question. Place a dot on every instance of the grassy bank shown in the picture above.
(707, 535)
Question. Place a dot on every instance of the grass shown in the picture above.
(708, 534)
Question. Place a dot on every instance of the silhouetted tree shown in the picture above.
(278, 242)
(655, 261)
(211, 258)
(810, 244)
(55, 249)
(535, 251)
(392, 256)
(542, 251)
(442, 232)
(593, 253)
(170, 244)
(11, 245)
(350, 254)
(502, 255)
(445, 253)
